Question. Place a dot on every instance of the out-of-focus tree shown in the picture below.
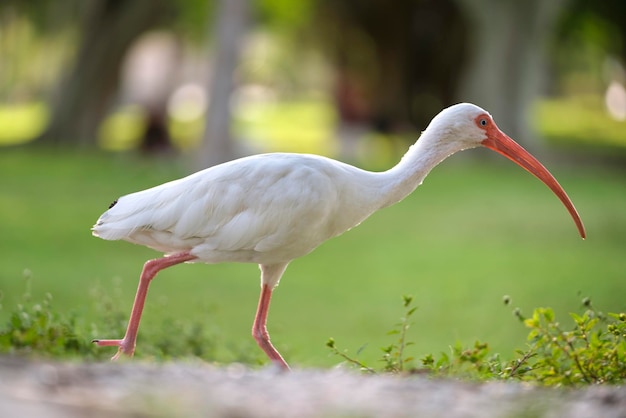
(32, 37)
(95, 37)
(398, 63)
(232, 24)
(509, 43)
(88, 88)
(286, 23)
(590, 34)
(408, 59)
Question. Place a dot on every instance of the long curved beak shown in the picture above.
(502, 144)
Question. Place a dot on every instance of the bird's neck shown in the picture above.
(404, 177)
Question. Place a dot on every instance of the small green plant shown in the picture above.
(34, 328)
(593, 351)
(474, 362)
(352, 360)
(394, 357)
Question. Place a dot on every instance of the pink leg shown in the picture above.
(259, 329)
(150, 269)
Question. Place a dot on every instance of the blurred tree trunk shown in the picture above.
(232, 23)
(87, 92)
(508, 59)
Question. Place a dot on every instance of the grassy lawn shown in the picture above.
(471, 234)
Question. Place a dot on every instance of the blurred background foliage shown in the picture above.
(100, 98)
(141, 74)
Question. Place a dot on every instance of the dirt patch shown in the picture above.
(194, 389)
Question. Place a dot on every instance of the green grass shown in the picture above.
(471, 234)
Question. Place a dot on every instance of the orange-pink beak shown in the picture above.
(502, 144)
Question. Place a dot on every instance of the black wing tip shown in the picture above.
(113, 204)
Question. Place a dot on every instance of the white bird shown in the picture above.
(272, 208)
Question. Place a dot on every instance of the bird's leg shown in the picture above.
(259, 329)
(150, 269)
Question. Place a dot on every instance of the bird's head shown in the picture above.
(466, 125)
(461, 126)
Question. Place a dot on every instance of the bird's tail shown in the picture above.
(109, 228)
(101, 230)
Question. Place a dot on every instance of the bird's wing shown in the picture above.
(276, 201)
(257, 203)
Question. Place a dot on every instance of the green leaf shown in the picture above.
(532, 322)
(428, 360)
(577, 318)
(548, 314)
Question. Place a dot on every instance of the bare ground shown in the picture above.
(193, 389)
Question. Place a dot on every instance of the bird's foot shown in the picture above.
(124, 347)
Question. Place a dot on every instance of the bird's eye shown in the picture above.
(483, 122)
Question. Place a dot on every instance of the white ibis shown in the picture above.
(272, 208)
